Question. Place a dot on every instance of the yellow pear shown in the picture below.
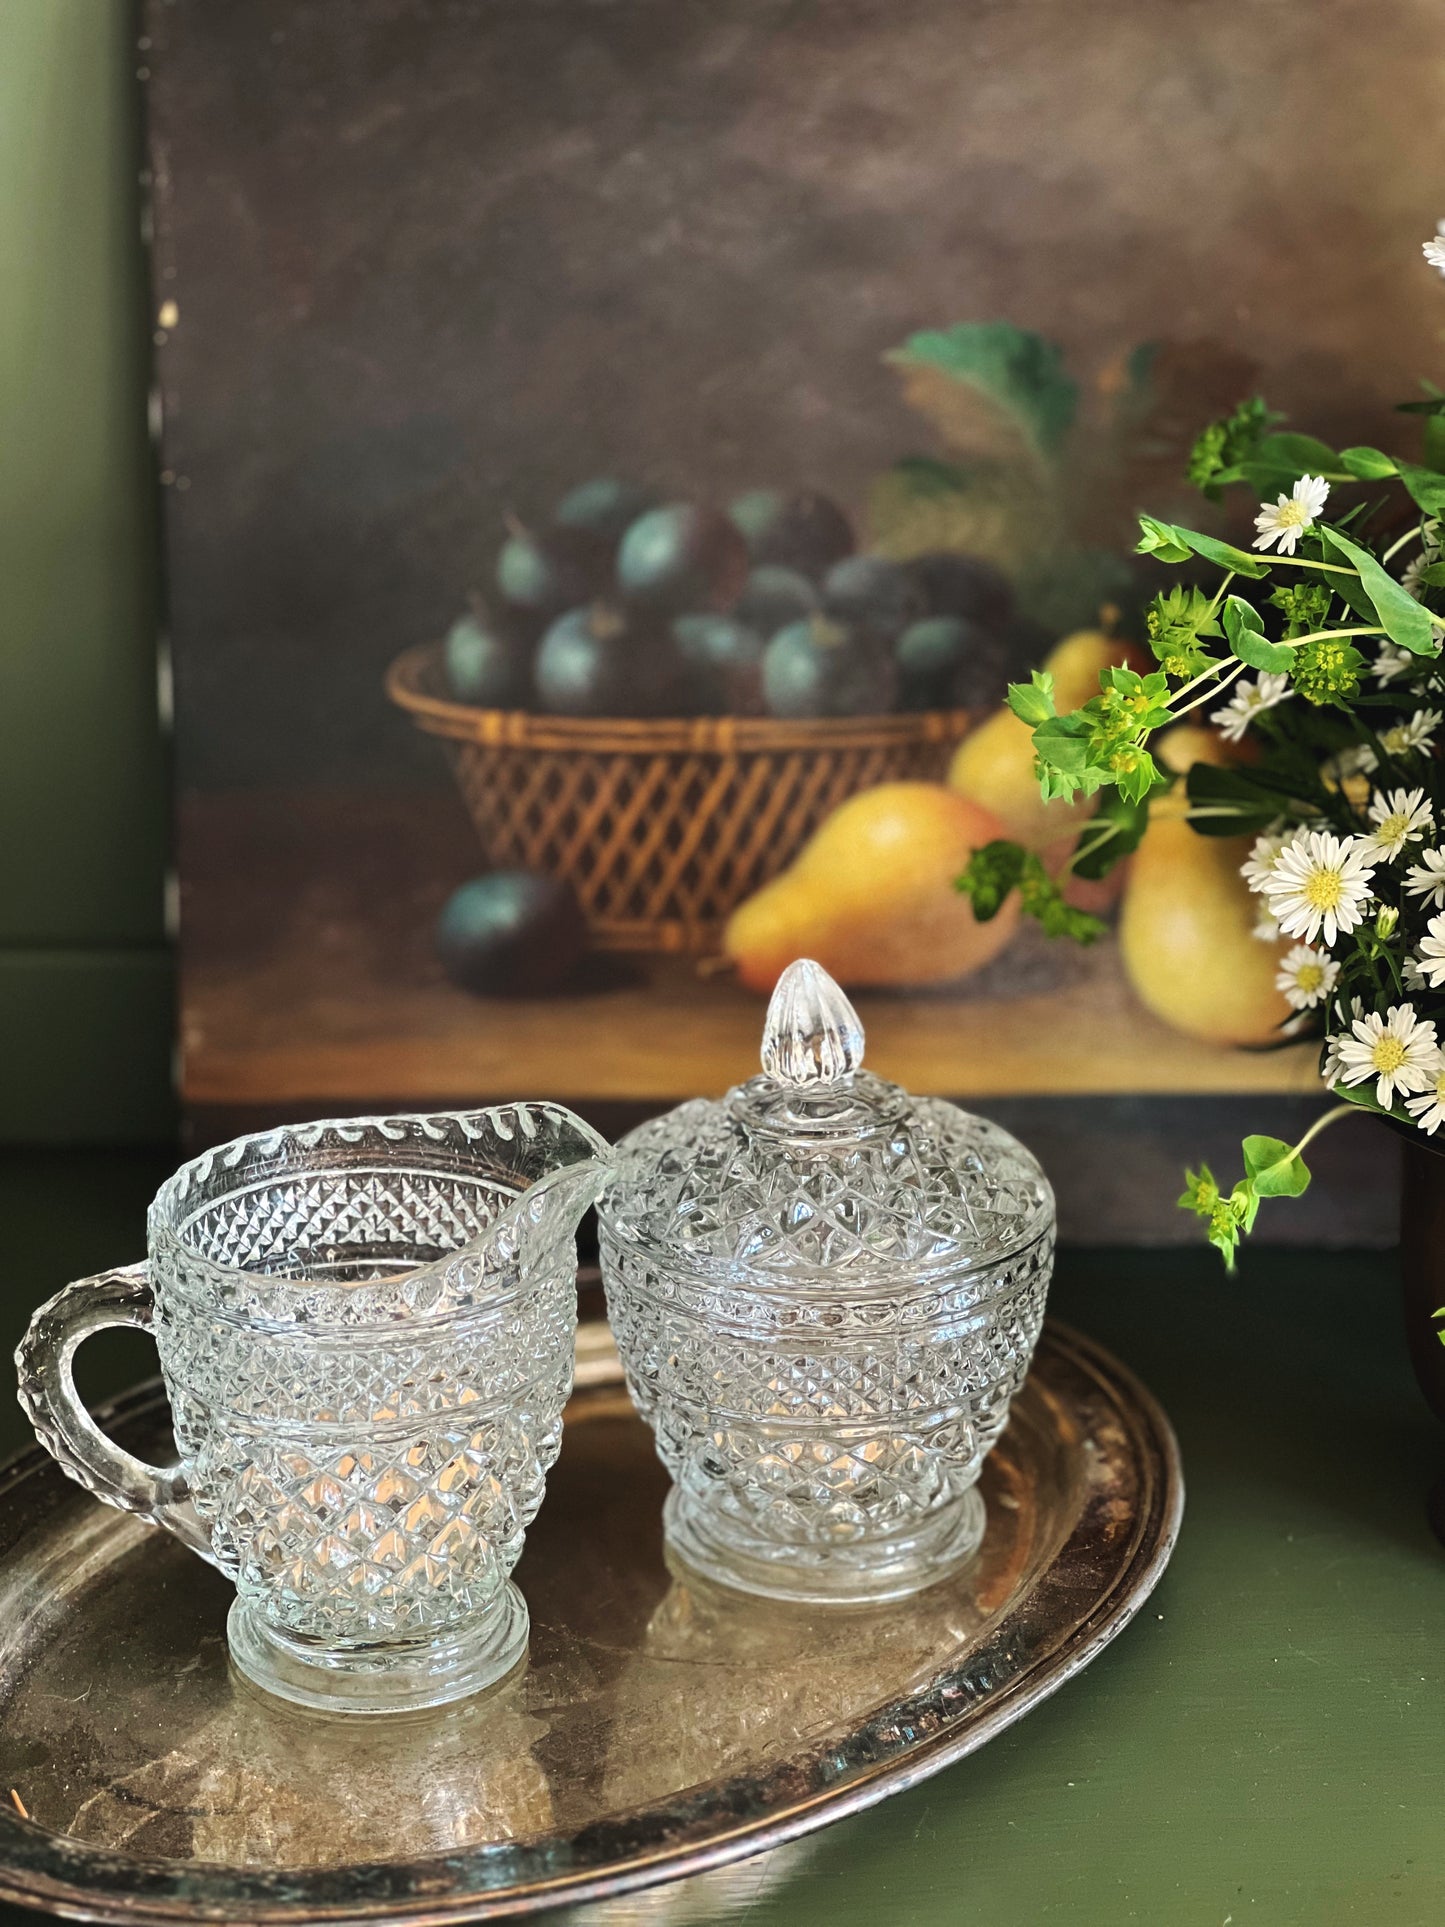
(1077, 662)
(1185, 934)
(994, 766)
(871, 895)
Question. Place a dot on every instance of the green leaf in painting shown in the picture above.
(1019, 372)
(1404, 621)
(992, 873)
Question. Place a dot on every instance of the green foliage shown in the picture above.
(1401, 616)
(1272, 1169)
(1001, 867)
(1278, 461)
(1228, 1218)
(1172, 544)
(1101, 743)
(1244, 626)
(1175, 623)
(1328, 670)
(1063, 757)
(1161, 540)
(1224, 445)
(1367, 464)
(1033, 701)
(1336, 586)
(1305, 605)
(1018, 371)
(1425, 486)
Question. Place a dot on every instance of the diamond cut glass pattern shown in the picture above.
(366, 1332)
(825, 1294)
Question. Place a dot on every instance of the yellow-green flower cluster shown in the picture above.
(1327, 670)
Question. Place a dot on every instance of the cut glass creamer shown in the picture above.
(825, 1293)
(365, 1329)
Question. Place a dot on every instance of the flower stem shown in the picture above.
(1205, 675)
(1336, 1112)
(1410, 535)
(1323, 635)
(1304, 562)
(1208, 695)
(1219, 594)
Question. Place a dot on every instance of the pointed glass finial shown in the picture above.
(812, 1035)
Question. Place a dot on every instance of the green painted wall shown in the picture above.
(85, 973)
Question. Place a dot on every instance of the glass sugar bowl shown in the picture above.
(825, 1293)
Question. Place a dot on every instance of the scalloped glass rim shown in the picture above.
(463, 1133)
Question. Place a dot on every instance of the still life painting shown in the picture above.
(632, 451)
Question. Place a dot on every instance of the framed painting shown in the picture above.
(616, 453)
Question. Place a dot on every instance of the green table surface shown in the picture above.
(1264, 1745)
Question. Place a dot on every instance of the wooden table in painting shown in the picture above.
(1261, 1746)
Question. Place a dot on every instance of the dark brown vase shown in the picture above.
(1422, 1267)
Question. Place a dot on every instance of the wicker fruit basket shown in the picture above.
(661, 825)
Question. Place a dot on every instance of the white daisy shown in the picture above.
(1262, 858)
(1432, 953)
(1319, 882)
(1398, 1050)
(1428, 1109)
(1292, 514)
(1330, 1065)
(1412, 975)
(1401, 738)
(1397, 817)
(1266, 930)
(1427, 878)
(1248, 701)
(1434, 251)
(1392, 660)
(1306, 976)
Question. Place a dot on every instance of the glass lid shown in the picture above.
(817, 1169)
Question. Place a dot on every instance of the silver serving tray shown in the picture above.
(660, 1728)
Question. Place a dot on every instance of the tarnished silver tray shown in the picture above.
(660, 1727)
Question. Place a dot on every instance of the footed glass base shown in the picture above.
(402, 1677)
(867, 1573)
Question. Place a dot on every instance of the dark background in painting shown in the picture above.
(437, 261)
